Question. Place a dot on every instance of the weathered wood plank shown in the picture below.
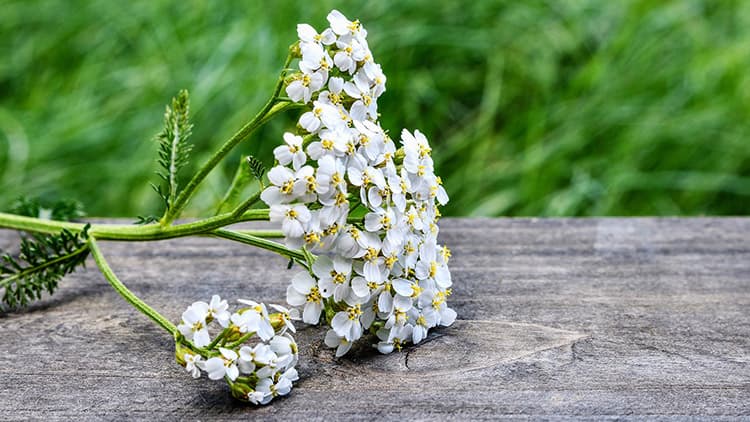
(560, 317)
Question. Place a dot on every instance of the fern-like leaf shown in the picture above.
(256, 167)
(42, 261)
(174, 149)
(148, 219)
(62, 210)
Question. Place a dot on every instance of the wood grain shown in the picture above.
(594, 318)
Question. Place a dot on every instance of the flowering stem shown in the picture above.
(129, 296)
(241, 340)
(272, 107)
(269, 110)
(244, 237)
(215, 341)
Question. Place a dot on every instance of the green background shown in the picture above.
(533, 108)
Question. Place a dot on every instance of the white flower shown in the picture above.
(307, 188)
(432, 267)
(422, 322)
(193, 363)
(374, 264)
(346, 323)
(218, 367)
(348, 244)
(293, 218)
(217, 309)
(341, 344)
(370, 212)
(312, 121)
(285, 349)
(343, 26)
(291, 152)
(286, 318)
(259, 397)
(271, 389)
(371, 140)
(194, 324)
(393, 338)
(333, 96)
(350, 52)
(333, 277)
(261, 354)
(254, 319)
(304, 85)
(304, 291)
(282, 186)
(366, 105)
(308, 34)
(314, 57)
(432, 303)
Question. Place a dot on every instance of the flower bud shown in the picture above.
(240, 389)
(233, 333)
(179, 352)
(295, 51)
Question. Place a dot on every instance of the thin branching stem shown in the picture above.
(129, 296)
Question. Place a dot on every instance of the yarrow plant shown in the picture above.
(255, 372)
(357, 212)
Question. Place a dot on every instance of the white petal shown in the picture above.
(359, 286)
(332, 339)
(311, 314)
(295, 298)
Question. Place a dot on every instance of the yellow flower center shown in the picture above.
(312, 184)
(336, 178)
(338, 278)
(354, 312)
(371, 254)
(287, 187)
(314, 295)
(446, 253)
(433, 269)
(312, 237)
(341, 199)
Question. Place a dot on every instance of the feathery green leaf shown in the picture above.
(256, 167)
(62, 210)
(174, 149)
(42, 261)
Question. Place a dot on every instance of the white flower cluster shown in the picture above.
(342, 189)
(256, 373)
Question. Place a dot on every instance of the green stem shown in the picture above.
(269, 234)
(20, 275)
(239, 341)
(269, 110)
(260, 242)
(215, 341)
(136, 233)
(272, 107)
(240, 179)
(126, 293)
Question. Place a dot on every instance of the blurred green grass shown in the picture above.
(534, 108)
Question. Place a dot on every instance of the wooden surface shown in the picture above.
(564, 317)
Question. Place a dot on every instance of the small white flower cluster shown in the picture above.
(255, 373)
(342, 189)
